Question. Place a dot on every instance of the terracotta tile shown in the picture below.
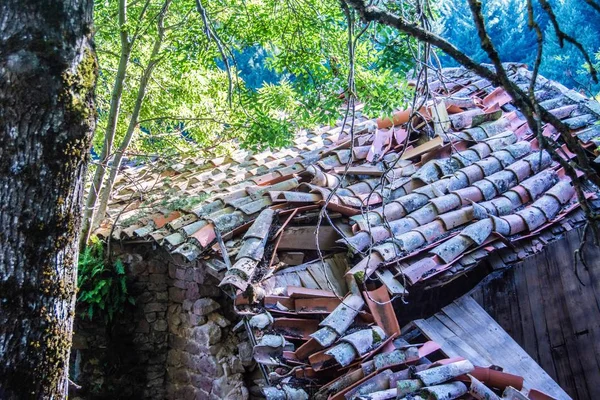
(502, 140)
(516, 222)
(424, 214)
(412, 202)
(320, 360)
(360, 152)
(387, 250)
(475, 134)
(504, 157)
(364, 340)
(446, 203)
(316, 305)
(487, 189)
(452, 248)
(497, 96)
(343, 316)
(420, 268)
(234, 281)
(464, 119)
(458, 181)
(393, 211)
(495, 128)
(533, 217)
(521, 169)
(468, 194)
(380, 233)
(473, 173)
(347, 211)
(549, 205)
(539, 162)
(381, 307)
(402, 225)
(399, 117)
(497, 379)
(483, 149)
(535, 394)
(295, 327)
(479, 231)
(563, 191)
(503, 206)
(456, 218)
(522, 193)
(428, 173)
(205, 235)
(376, 381)
(271, 302)
(489, 165)
(310, 347)
(539, 183)
(503, 181)
(467, 157)
(432, 230)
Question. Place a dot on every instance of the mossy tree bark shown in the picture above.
(47, 76)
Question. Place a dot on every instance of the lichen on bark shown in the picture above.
(47, 115)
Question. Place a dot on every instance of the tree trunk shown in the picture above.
(47, 76)
(111, 126)
(133, 120)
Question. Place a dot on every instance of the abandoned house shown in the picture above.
(361, 262)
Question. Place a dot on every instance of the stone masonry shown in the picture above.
(175, 343)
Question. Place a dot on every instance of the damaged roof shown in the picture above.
(325, 234)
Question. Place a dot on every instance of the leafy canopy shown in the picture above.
(294, 55)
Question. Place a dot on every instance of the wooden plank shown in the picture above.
(452, 345)
(292, 257)
(434, 143)
(535, 376)
(469, 333)
(551, 315)
(317, 273)
(502, 349)
(583, 314)
(574, 319)
(554, 313)
(392, 284)
(360, 170)
(304, 238)
(540, 327)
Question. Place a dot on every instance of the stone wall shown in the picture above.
(177, 341)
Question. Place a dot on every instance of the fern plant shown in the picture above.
(102, 285)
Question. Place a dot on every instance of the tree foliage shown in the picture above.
(302, 60)
(507, 26)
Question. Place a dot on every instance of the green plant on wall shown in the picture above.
(102, 284)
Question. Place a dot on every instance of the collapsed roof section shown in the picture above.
(326, 238)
